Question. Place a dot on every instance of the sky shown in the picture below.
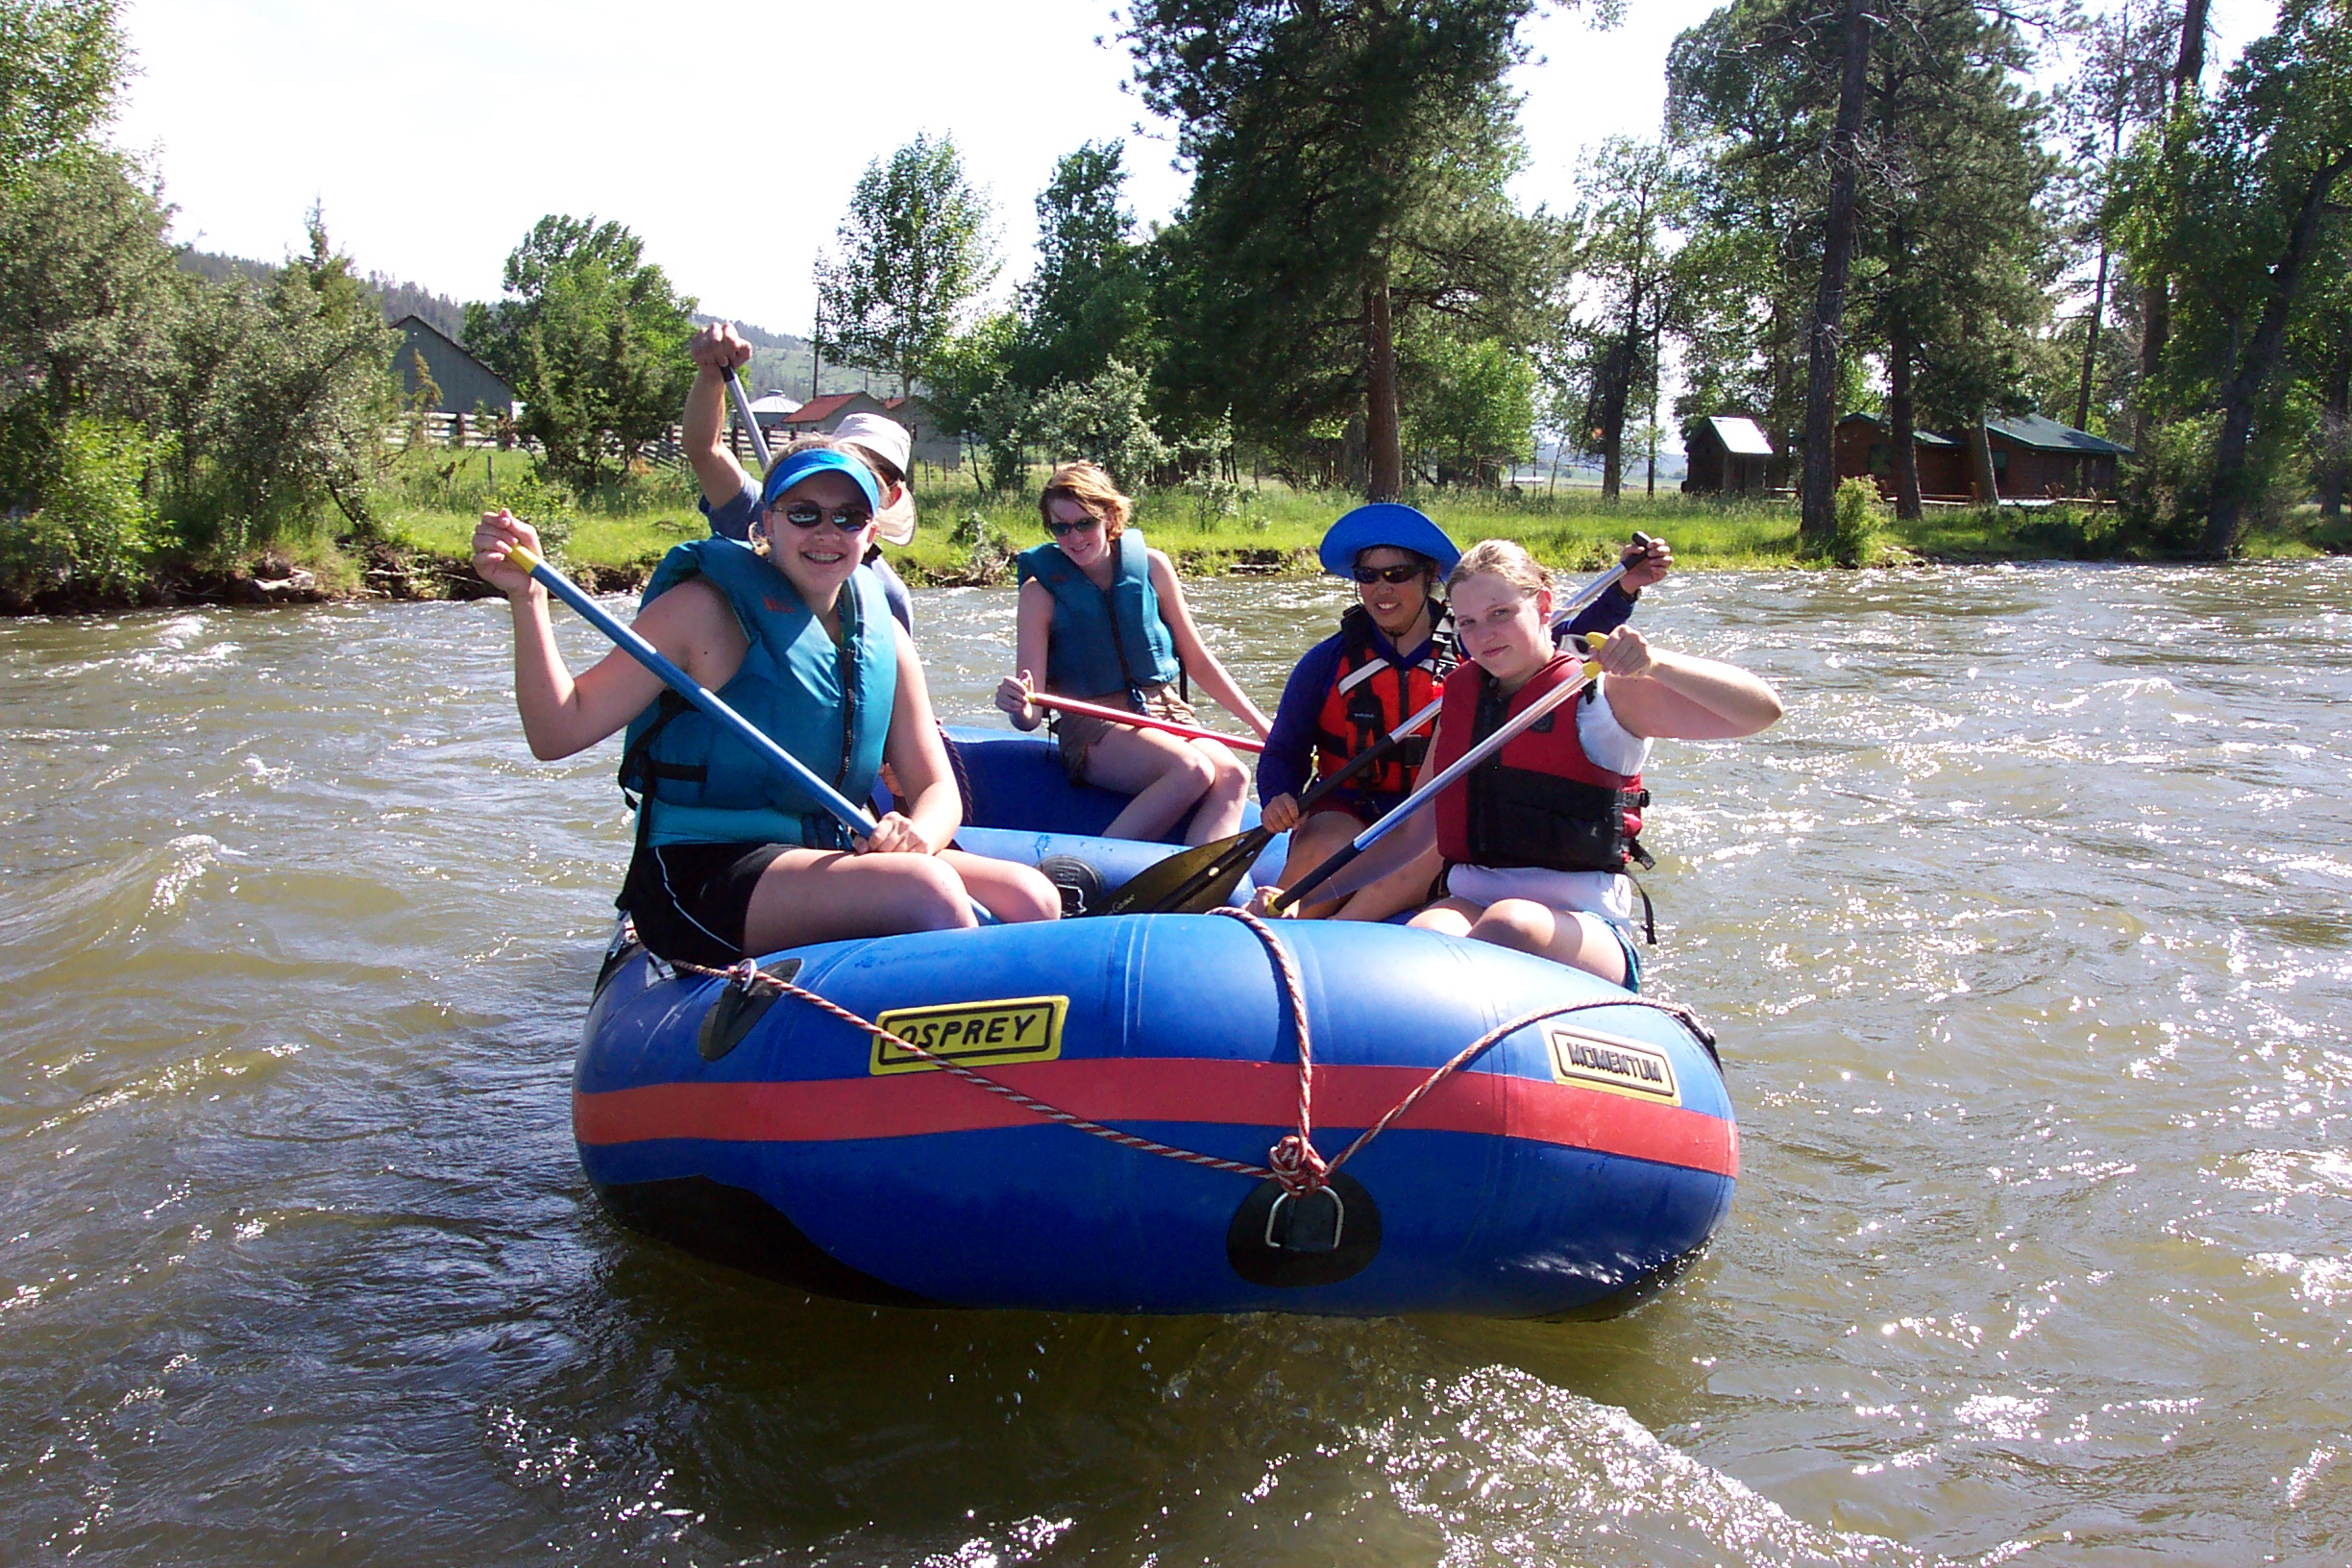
(727, 136)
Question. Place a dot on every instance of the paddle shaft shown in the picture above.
(842, 808)
(1597, 586)
(1428, 792)
(751, 421)
(1141, 721)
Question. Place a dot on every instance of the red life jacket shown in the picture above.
(1540, 801)
(1369, 697)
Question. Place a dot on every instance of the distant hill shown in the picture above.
(396, 297)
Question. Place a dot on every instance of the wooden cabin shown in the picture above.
(2040, 459)
(1728, 454)
(1866, 449)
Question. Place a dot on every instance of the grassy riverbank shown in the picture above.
(422, 516)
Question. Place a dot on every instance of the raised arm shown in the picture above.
(716, 349)
(1680, 697)
(563, 713)
(1201, 664)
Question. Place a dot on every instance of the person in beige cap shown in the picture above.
(885, 444)
(730, 498)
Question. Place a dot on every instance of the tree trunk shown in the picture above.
(1387, 453)
(1818, 520)
(2098, 302)
(2335, 459)
(2188, 70)
(1902, 426)
(1984, 482)
(1657, 362)
(2243, 395)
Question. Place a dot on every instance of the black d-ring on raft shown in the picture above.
(1079, 882)
(738, 1008)
(1285, 1241)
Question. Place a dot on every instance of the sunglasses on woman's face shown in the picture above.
(1369, 575)
(807, 514)
(1060, 529)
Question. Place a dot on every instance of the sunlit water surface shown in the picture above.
(2026, 935)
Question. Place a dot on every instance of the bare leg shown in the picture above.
(1314, 841)
(1012, 893)
(1568, 937)
(826, 896)
(1219, 813)
(1166, 775)
(1454, 916)
(1405, 887)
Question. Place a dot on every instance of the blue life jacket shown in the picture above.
(1105, 641)
(828, 705)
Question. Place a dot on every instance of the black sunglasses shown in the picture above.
(1369, 575)
(807, 514)
(1060, 529)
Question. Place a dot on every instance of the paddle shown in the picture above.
(840, 806)
(1422, 796)
(1141, 721)
(750, 421)
(1205, 876)
(1597, 586)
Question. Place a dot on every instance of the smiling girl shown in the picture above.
(731, 858)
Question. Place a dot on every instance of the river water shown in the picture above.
(2027, 934)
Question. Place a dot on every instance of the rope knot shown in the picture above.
(1297, 1166)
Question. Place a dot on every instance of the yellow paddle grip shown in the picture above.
(524, 556)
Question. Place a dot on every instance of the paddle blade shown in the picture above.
(1192, 883)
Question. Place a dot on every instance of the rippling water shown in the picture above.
(2026, 935)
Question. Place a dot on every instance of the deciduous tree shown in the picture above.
(912, 253)
(594, 338)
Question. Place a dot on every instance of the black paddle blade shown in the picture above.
(1192, 883)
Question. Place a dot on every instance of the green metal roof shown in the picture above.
(1919, 437)
(2048, 435)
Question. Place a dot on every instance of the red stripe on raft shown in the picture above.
(1129, 1090)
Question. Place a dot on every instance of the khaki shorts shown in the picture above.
(1077, 732)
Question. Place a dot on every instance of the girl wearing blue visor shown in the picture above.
(731, 859)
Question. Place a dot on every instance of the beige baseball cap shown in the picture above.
(888, 440)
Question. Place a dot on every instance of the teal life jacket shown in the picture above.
(827, 704)
(1105, 640)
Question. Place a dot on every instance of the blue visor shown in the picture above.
(821, 461)
(1386, 522)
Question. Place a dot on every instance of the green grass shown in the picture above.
(431, 499)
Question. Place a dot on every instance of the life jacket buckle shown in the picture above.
(1310, 1221)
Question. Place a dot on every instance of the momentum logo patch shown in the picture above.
(976, 1034)
(1616, 1066)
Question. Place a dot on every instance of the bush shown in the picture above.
(95, 530)
(1857, 539)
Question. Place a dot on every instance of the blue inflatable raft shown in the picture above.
(1578, 1157)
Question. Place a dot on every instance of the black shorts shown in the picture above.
(689, 901)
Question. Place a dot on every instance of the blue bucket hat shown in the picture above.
(1386, 522)
(819, 460)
